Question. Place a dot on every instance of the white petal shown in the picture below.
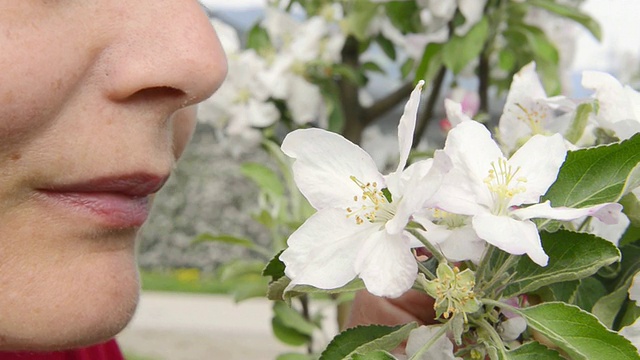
(386, 264)
(539, 161)
(512, 328)
(632, 333)
(419, 189)
(455, 115)
(511, 235)
(324, 163)
(407, 125)
(525, 88)
(634, 290)
(471, 150)
(442, 349)
(322, 251)
(607, 213)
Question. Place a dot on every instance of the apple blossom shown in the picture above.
(358, 229)
(501, 194)
(528, 111)
(618, 106)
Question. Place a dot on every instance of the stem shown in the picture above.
(483, 86)
(349, 101)
(506, 265)
(304, 301)
(495, 337)
(431, 104)
(434, 251)
(387, 103)
(430, 343)
(423, 269)
(500, 304)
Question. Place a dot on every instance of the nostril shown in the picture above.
(158, 92)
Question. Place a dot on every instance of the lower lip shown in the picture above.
(112, 209)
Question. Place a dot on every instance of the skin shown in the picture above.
(87, 89)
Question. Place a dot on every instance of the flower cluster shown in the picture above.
(474, 193)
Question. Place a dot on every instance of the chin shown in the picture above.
(86, 301)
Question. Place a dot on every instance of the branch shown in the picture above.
(431, 104)
(387, 103)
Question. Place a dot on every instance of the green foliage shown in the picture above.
(533, 351)
(430, 63)
(595, 175)
(572, 256)
(570, 12)
(266, 179)
(578, 333)
(579, 123)
(458, 52)
(365, 339)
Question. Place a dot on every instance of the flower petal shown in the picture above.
(608, 213)
(511, 235)
(419, 190)
(539, 161)
(322, 251)
(407, 125)
(386, 264)
(442, 349)
(325, 161)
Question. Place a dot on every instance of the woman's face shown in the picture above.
(96, 105)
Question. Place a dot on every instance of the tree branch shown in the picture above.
(380, 107)
(425, 119)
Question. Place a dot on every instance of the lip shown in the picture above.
(115, 201)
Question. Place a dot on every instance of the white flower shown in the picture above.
(528, 111)
(493, 189)
(618, 106)
(358, 229)
(632, 332)
(442, 349)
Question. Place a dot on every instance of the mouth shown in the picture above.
(115, 201)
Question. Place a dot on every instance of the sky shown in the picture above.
(618, 18)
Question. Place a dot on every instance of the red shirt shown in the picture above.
(106, 351)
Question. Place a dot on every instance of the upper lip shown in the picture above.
(136, 185)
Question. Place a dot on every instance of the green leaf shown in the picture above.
(293, 319)
(578, 333)
(572, 13)
(359, 18)
(373, 67)
(407, 67)
(387, 46)
(461, 50)
(562, 291)
(239, 268)
(295, 356)
(430, 63)
(249, 287)
(588, 293)
(266, 179)
(354, 285)
(631, 206)
(595, 175)
(579, 123)
(376, 355)
(227, 239)
(364, 339)
(275, 267)
(533, 351)
(630, 236)
(607, 308)
(404, 15)
(572, 256)
(258, 39)
(286, 334)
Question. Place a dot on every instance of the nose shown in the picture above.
(165, 49)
